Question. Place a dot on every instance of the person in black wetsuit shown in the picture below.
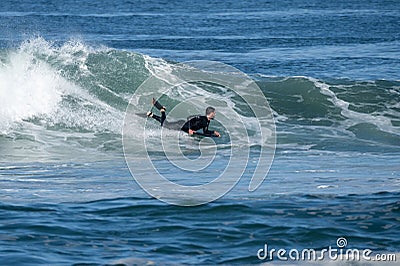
(190, 126)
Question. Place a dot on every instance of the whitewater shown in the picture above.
(69, 69)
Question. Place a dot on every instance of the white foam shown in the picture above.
(32, 88)
(28, 87)
(378, 119)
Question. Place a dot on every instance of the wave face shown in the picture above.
(73, 96)
(65, 96)
(337, 114)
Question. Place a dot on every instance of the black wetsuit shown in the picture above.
(198, 122)
(194, 123)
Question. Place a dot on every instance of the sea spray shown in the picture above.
(74, 95)
(29, 87)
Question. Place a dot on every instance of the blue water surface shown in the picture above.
(330, 70)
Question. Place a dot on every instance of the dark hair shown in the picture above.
(209, 110)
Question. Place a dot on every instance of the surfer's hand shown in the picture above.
(216, 133)
(191, 132)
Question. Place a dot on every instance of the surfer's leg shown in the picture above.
(156, 117)
(163, 116)
(158, 105)
(160, 119)
(162, 110)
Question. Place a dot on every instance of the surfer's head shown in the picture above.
(210, 112)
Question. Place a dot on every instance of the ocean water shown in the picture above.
(68, 69)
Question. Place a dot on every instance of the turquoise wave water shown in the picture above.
(67, 195)
(76, 95)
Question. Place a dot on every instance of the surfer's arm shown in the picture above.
(186, 128)
(192, 125)
(207, 132)
(211, 132)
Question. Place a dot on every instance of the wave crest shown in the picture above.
(72, 92)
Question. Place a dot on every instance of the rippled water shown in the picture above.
(330, 72)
